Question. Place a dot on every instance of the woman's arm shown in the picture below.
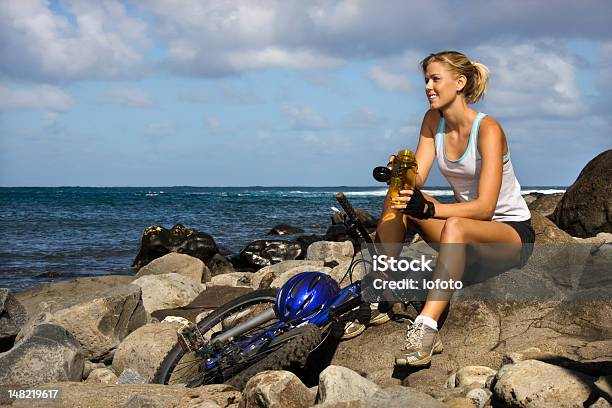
(490, 146)
(426, 149)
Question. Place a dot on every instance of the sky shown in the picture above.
(287, 92)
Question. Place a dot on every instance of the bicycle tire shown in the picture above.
(302, 341)
(164, 372)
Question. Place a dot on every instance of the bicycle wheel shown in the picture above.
(179, 367)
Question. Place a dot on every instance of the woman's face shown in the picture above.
(441, 85)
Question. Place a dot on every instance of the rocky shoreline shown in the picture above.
(99, 340)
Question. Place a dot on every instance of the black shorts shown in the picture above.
(527, 234)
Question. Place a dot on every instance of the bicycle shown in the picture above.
(267, 329)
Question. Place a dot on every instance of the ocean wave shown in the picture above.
(366, 193)
(543, 191)
(439, 192)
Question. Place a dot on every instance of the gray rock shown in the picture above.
(185, 265)
(48, 353)
(545, 204)
(400, 397)
(285, 276)
(13, 316)
(339, 271)
(143, 401)
(532, 383)
(328, 251)
(546, 231)
(234, 279)
(145, 348)
(338, 384)
(263, 277)
(219, 265)
(102, 376)
(129, 376)
(277, 389)
(167, 291)
(473, 374)
(89, 366)
(480, 397)
(99, 321)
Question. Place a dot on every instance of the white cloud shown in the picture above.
(363, 118)
(531, 80)
(389, 81)
(130, 97)
(304, 118)
(38, 44)
(36, 97)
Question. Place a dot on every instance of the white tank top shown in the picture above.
(463, 176)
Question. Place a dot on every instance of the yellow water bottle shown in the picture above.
(403, 174)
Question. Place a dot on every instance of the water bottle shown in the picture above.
(403, 174)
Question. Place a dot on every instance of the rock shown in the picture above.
(340, 271)
(99, 321)
(600, 403)
(338, 384)
(459, 402)
(604, 385)
(102, 376)
(48, 353)
(546, 231)
(586, 207)
(532, 383)
(88, 367)
(473, 374)
(13, 316)
(143, 401)
(400, 397)
(129, 376)
(232, 279)
(219, 265)
(262, 253)
(367, 219)
(545, 204)
(284, 229)
(145, 348)
(479, 397)
(285, 276)
(184, 265)
(336, 233)
(327, 251)
(531, 197)
(264, 277)
(276, 389)
(158, 241)
(167, 291)
(306, 240)
(92, 395)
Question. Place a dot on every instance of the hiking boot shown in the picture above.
(421, 343)
(365, 315)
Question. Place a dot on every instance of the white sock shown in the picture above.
(427, 321)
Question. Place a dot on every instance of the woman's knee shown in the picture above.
(453, 230)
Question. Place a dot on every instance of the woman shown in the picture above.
(472, 153)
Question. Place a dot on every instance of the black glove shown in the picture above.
(419, 207)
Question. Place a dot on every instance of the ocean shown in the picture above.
(57, 233)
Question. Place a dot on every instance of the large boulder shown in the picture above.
(337, 384)
(534, 383)
(327, 251)
(185, 265)
(145, 348)
(232, 279)
(277, 389)
(167, 291)
(48, 353)
(158, 241)
(546, 231)
(99, 321)
(92, 395)
(13, 316)
(586, 207)
(266, 252)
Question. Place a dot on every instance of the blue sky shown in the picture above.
(239, 93)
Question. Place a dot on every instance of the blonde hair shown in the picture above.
(477, 74)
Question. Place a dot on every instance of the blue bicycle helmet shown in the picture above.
(304, 295)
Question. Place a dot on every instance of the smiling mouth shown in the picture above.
(432, 97)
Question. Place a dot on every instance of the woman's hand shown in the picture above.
(415, 204)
